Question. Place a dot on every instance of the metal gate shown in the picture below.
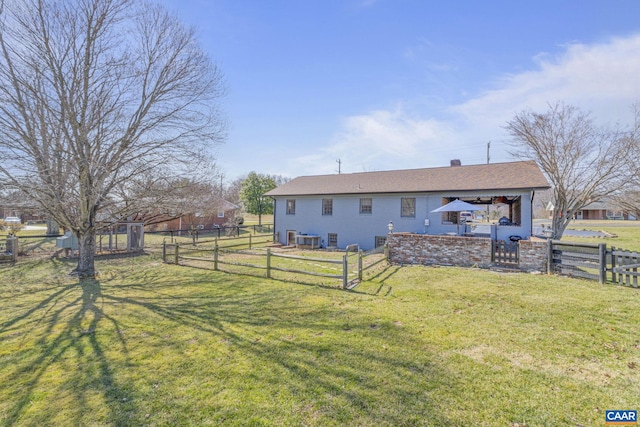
(505, 253)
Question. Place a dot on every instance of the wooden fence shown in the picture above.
(624, 267)
(505, 253)
(217, 232)
(9, 250)
(594, 261)
(347, 268)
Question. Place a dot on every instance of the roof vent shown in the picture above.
(456, 162)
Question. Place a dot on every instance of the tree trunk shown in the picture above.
(559, 224)
(86, 255)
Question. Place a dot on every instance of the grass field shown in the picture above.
(624, 234)
(165, 345)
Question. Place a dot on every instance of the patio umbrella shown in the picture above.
(456, 206)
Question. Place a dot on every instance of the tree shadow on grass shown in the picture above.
(67, 323)
(284, 277)
(381, 275)
(329, 363)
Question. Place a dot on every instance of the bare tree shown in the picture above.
(180, 198)
(94, 93)
(629, 199)
(583, 162)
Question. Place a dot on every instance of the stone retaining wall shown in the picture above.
(534, 255)
(407, 248)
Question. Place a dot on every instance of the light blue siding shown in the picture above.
(353, 227)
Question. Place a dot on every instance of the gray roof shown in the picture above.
(496, 176)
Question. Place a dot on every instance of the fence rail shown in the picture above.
(217, 232)
(624, 267)
(594, 261)
(349, 269)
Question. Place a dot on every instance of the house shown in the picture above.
(225, 213)
(597, 210)
(344, 209)
(600, 210)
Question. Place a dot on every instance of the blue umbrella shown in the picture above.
(457, 206)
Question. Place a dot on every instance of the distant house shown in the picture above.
(25, 213)
(225, 213)
(600, 210)
(343, 209)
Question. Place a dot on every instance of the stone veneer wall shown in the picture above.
(407, 248)
(534, 255)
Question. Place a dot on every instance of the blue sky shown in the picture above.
(399, 84)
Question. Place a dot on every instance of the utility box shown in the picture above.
(68, 241)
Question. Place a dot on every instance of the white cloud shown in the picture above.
(379, 140)
(601, 78)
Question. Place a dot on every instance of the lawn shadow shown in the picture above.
(326, 358)
(327, 370)
(67, 321)
(278, 277)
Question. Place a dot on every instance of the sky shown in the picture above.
(326, 86)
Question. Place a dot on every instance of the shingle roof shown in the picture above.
(496, 176)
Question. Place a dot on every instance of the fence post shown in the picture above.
(215, 256)
(249, 241)
(11, 245)
(345, 271)
(164, 251)
(360, 264)
(176, 255)
(602, 252)
(614, 277)
(386, 251)
(268, 263)
(549, 256)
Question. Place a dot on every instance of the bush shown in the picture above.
(10, 227)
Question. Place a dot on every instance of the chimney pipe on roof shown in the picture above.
(456, 162)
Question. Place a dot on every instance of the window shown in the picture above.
(408, 207)
(332, 239)
(366, 206)
(220, 214)
(291, 206)
(327, 206)
(380, 241)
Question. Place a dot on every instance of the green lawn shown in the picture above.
(623, 234)
(165, 345)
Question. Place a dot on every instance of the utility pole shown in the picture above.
(488, 158)
(339, 165)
